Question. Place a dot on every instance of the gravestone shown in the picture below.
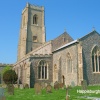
(67, 97)
(37, 88)
(15, 85)
(4, 85)
(61, 85)
(3, 98)
(67, 92)
(21, 86)
(11, 89)
(46, 84)
(26, 86)
(2, 94)
(56, 85)
(52, 84)
(84, 85)
(49, 89)
(72, 84)
(43, 85)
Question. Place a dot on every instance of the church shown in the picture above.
(62, 59)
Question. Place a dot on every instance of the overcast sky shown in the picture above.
(78, 17)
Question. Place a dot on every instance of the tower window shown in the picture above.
(34, 38)
(35, 18)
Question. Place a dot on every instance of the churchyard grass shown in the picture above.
(29, 94)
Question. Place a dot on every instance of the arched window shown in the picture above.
(96, 59)
(42, 70)
(69, 63)
(35, 19)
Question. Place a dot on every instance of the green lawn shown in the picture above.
(29, 94)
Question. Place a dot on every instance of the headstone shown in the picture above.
(37, 88)
(84, 85)
(61, 85)
(56, 85)
(52, 84)
(11, 89)
(43, 85)
(67, 97)
(3, 98)
(1, 91)
(15, 85)
(73, 84)
(4, 85)
(26, 86)
(21, 86)
(67, 92)
(46, 84)
(49, 89)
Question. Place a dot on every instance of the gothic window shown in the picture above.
(69, 63)
(34, 38)
(95, 59)
(42, 70)
(35, 19)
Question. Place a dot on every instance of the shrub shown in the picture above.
(10, 77)
(5, 69)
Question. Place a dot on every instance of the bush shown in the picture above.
(10, 77)
(5, 69)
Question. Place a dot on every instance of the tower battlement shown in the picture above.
(35, 7)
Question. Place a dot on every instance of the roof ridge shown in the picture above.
(89, 34)
(62, 34)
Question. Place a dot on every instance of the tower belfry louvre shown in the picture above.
(32, 29)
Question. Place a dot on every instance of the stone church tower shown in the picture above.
(32, 30)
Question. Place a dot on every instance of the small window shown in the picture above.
(34, 38)
(35, 19)
(64, 39)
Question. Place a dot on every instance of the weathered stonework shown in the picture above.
(69, 77)
(63, 59)
(35, 59)
(88, 42)
(61, 40)
(29, 29)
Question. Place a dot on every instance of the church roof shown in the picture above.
(66, 45)
(94, 31)
(65, 33)
(76, 41)
(61, 40)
